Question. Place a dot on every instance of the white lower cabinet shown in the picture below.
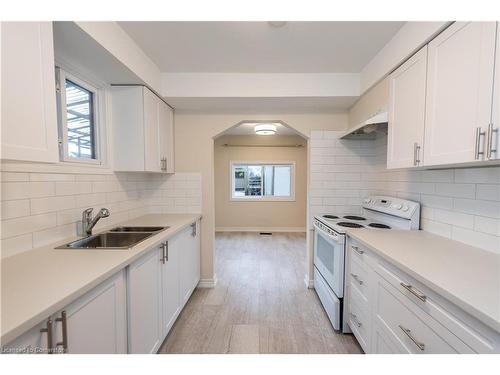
(170, 275)
(131, 312)
(94, 323)
(159, 285)
(390, 312)
(190, 262)
(145, 303)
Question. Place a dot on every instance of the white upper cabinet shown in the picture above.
(28, 92)
(407, 112)
(493, 131)
(459, 93)
(142, 131)
(166, 123)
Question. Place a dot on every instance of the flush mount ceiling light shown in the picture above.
(276, 23)
(265, 129)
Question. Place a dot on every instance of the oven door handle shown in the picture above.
(335, 238)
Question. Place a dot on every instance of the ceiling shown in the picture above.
(258, 47)
(262, 104)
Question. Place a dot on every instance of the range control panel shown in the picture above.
(392, 206)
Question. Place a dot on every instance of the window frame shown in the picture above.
(97, 96)
(257, 198)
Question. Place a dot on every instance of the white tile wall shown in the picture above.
(42, 208)
(462, 204)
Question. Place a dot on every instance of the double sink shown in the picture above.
(118, 238)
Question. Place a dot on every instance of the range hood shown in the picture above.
(369, 128)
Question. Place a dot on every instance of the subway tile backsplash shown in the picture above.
(462, 204)
(41, 208)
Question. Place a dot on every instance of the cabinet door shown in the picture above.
(144, 304)
(34, 341)
(151, 132)
(407, 112)
(459, 92)
(493, 132)
(166, 126)
(96, 323)
(170, 284)
(128, 128)
(28, 92)
(190, 261)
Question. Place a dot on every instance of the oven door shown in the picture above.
(329, 251)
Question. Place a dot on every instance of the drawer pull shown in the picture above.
(357, 249)
(356, 277)
(407, 332)
(422, 297)
(355, 320)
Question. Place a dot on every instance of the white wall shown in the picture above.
(461, 204)
(42, 208)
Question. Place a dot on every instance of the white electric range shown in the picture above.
(378, 213)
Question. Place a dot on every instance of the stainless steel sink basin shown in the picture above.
(138, 229)
(108, 240)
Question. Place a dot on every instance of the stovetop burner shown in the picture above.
(378, 225)
(330, 217)
(353, 217)
(349, 224)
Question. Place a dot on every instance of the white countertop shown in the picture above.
(467, 276)
(40, 282)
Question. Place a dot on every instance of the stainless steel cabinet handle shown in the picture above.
(416, 154)
(356, 249)
(48, 330)
(407, 332)
(414, 291)
(489, 143)
(193, 227)
(163, 256)
(356, 277)
(166, 251)
(477, 145)
(355, 320)
(64, 342)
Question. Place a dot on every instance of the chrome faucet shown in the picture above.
(88, 223)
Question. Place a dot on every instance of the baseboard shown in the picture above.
(262, 229)
(208, 283)
(309, 283)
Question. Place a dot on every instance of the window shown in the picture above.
(78, 120)
(262, 181)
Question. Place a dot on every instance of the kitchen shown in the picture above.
(271, 197)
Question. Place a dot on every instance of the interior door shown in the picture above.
(166, 123)
(407, 112)
(144, 304)
(151, 132)
(459, 92)
(170, 284)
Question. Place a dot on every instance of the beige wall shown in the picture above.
(264, 214)
(194, 151)
(374, 99)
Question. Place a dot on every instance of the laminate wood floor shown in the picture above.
(260, 303)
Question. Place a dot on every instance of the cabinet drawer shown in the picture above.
(358, 277)
(359, 318)
(423, 301)
(414, 330)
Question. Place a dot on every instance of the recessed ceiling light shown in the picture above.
(265, 129)
(277, 23)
